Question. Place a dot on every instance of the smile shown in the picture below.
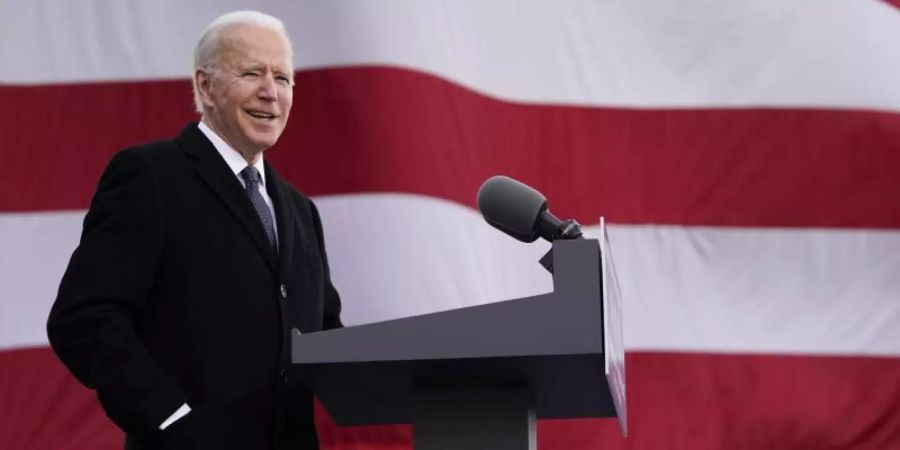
(260, 115)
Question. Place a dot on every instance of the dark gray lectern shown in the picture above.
(478, 377)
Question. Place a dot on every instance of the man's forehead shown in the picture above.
(243, 53)
(257, 64)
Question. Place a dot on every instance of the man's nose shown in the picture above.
(267, 89)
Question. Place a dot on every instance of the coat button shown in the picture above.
(283, 291)
(283, 376)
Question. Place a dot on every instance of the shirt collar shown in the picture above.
(235, 160)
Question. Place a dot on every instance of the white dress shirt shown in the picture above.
(237, 163)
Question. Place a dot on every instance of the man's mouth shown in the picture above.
(260, 114)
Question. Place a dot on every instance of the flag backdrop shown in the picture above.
(746, 153)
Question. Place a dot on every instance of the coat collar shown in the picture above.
(216, 174)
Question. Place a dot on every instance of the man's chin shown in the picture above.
(263, 141)
(264, 144)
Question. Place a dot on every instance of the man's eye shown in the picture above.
(284, 80)
(250, 74)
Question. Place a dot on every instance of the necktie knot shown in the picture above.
(251, 177)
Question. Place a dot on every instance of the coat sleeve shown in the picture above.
(332, 306)
(92, 324)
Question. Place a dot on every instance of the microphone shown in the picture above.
(521, 211)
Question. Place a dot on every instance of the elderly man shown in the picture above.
(195, 262)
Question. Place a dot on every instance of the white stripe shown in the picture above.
(644, 53)
(35, 251)
(683, 288)
(760, 290)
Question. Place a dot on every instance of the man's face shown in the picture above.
(249, 97)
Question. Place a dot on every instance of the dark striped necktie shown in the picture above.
(252, 178)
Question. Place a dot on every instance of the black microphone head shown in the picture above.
(511, 207)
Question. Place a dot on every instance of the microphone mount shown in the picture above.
(553, 229)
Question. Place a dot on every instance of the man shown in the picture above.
(196, 261)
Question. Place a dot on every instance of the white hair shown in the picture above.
(208, 48)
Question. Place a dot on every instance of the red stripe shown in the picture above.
(43, 407)
(382, 129)
(675, 401)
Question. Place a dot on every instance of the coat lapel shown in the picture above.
(214, 171)
(284, 217)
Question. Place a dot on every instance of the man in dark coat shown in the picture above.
(195, 263)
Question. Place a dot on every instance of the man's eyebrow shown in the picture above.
(250, 66)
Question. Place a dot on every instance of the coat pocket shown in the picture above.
(243, 423)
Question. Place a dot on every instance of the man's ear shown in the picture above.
(203, 80)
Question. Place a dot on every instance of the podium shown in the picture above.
(478, 377)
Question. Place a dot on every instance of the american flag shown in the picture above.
(746, 155)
